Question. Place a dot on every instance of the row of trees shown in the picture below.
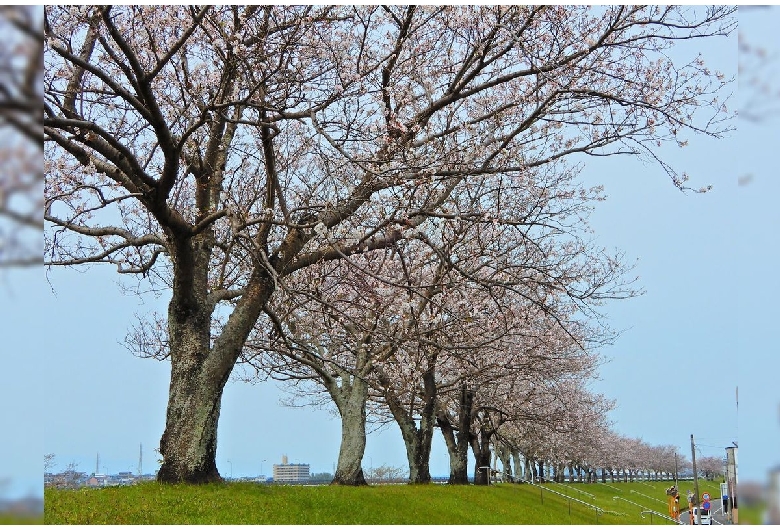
(606, 456)
(379, 204)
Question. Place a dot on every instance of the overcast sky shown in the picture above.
(755, 257)
(706, 261)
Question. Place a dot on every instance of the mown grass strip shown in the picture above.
(13, 519)
(153, 503)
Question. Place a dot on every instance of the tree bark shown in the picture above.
(458, 471)
(352, 407)
(189, 442)
(349, 391)
(517, 467)
(480, 446)
(458, 447)
(529, 469)
(418, 454)
(504, 455)
(418, 440)
(199, 370)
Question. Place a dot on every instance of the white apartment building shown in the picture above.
(286, 472)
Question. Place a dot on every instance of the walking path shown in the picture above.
(718, 517)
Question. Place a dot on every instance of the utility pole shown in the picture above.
(676, 472)
(731, 480)
(695, 481)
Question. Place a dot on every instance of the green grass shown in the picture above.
(8, 519)
(632, 498)
(152, 503)
(751, 514)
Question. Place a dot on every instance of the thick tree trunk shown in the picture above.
(482, 467)
(458, 447)
(518, 467)
(418, 454)
(417, 440)
(503, 453)
(189, 443)
(349, 391)
(352, 407)
(418, 446)
(199, 370)
(480, 446)
(529, 469)
(458, 465)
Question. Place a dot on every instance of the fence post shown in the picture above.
(541, 492)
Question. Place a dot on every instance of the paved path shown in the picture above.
(719, 518)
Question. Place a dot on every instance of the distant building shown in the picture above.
(125, 477)
(773, 504)
(286, 472)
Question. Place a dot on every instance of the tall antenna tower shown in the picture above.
(140, 459)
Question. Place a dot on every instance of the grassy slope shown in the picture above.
(152, 503)
(751, 514)
(9, 519)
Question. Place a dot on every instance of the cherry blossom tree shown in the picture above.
(492, 352)
(711, 466)
(665, 461)
(586, 417)
(413, 322)
(339, 331)
(461, 325)
(524, 384)
(21, 171)
(562, 433)
(516, 275)
(215, 151)
(608, 454)
(406, 316)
